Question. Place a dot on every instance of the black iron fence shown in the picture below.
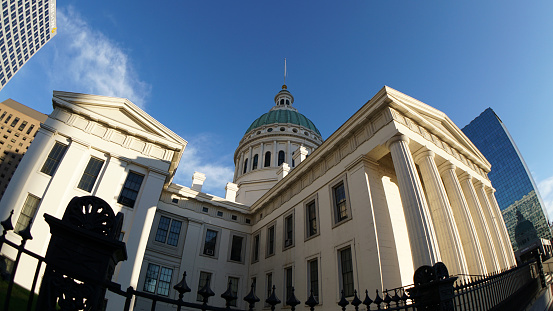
(70, 288)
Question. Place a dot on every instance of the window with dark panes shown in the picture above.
(30, 129)
(288, 231)
(288, 275)
(311, 210)
(168, 231)
(271, 240)
(8, 119)
(233, 288)
(53, 159)
(90, 174)
(267, 159)
(129, 193)
(313, 278)
(245, 166)
(14, 122)
(346, 270)
(205, 279)
(236, 248)
(255, 248)
(158, 279)
(340, 202)
(27, 212)
(280, 157)
(210, 242)
(255, 160)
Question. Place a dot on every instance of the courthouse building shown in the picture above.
(397, 186)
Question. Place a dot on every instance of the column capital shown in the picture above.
(490, 190)
(396, 138)
(446, 166)
(478, 184)
(465, 176)
(423, 153)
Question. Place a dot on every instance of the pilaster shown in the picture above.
(502, 227)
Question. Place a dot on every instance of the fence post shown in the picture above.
(540, 269)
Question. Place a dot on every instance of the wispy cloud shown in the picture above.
(88, 61)
(201, 156)
(546, 191)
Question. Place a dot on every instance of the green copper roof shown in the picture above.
(283, 116)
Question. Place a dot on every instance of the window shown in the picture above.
(248, 221)
(158, 277)
(271, 240)
(205, 209)
(168, 231)
(210, 242)
(255, 251)
(288, 281)
(8, 119)
(128, 194)
(245, 166)
(205, 279)
(346, 271)
(289, 231)
(54, 158)
(22, 126)
(219, 214)
(234, 217)
(27, 212)
(233, 288)
(14, 122)
(269, 283)
(313, 278)
(3, 115)
(340, 207)
(30, 129)
(255, 160)
(236, 248)
(267, 159)
(280, 157)
(175, 200)
(311, 218)
(90, 174)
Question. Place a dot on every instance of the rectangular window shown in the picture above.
(90, 174)
(14, 122)
(22, 126)
(168, 231)
(288, 275)
(289, 231)
(313, 277)
(340, 207)
(205, 279)
(236, 248)
(30, 129)
(8, 119)
(130, 189)
(210, 242)
(346, 271)
(158, 280)
(271, 240)
(3, 115)
(233, 288)
(269, 286)
(255, 252)
(27, 212)
(54, 158)
(311, 212)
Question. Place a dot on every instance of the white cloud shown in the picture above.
(88, 61)
(545, 188)
(198, 152)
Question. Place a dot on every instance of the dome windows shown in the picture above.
(306, 133)
(280, 157)
(282, 129)
(245, 166)
(267, 159)
(287, 102)
(295, 130)
(254, 163)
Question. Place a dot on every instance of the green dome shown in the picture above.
(283, 116)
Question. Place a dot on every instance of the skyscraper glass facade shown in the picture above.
(25, 26)
(515, 188)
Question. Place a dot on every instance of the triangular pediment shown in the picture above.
(435, 121)
(119, 113)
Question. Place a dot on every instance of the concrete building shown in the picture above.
(18, 127)
(516, 189)
(397, 186)
(26, 27)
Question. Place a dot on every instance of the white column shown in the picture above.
(250, 160)
(191, 250)
(144, 212)
(419, 224)
(502, 228)
(275, 155)
(299, 155)
(463, 219)
(261, 157)
(32, 161)
(479, 222)
(283, 171)
(288, 154)
(492, 226)
(445, 227)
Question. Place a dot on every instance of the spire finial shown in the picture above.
(284, 71)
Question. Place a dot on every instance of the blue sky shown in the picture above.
(207, 69)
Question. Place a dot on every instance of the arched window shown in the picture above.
(255, 158)
(282, 102)
(287, 102)
(280, 157)
(267, 159)
(245, 166)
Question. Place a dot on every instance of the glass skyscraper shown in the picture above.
(516, 190)
(25, 26)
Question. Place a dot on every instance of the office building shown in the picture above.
(26, 26)
(18, 126)
(516, 189)
(396, 187)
